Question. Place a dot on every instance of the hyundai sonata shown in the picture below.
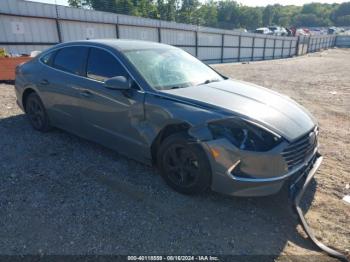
(159, 105)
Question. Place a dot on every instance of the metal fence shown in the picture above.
(343, 41)
(27, 26)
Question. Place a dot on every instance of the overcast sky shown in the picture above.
(245, 2)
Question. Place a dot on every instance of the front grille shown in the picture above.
(298, 151)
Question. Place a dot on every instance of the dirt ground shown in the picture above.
(60, 194)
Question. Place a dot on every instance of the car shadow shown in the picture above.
(61, 194)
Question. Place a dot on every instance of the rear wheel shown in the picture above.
(36, 113)
(184, 165)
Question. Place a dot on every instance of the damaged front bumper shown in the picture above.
(253, 174)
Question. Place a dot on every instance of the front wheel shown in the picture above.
(183, 164)
(36, 113)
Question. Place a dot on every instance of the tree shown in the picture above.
(342, 10)
(250, 18)
(343, 20)
(188, 12)
(268, 15)
(145, 8)
(284, 21)
(228, 14)
(100, 5)
(285, 14)
(321, 11)
(208, 14)
(78, 3)
(125, 7)
(341, 14)
(167, 10)
(307, 20)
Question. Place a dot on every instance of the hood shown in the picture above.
(271, 109)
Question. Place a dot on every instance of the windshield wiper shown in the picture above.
(208, 81)
(204, 83)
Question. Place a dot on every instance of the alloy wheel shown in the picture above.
(181, 165)
(35, 113)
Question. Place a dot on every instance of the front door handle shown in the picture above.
(86, 93)
(44, 82)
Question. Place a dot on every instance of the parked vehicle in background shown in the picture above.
(316, 31)
(307, 31)
(292, 31)
(334, 30)
(263, 30)
(278, 31)
(240, 30)
(302, 31)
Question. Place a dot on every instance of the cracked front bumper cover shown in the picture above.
(247, 173)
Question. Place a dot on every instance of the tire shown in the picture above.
(184, 165)
(36, 113)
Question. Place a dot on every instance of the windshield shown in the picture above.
(165, 69)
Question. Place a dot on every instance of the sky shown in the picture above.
(244, 2)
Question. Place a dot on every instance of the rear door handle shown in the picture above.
(85, 93)
(44, 82)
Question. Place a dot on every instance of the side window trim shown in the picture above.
(139, 88)
(85, 65)
(82, 68)
(54, 57)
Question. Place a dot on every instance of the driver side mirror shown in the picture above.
(118, 83)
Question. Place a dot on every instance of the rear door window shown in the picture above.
(71, 59)
(102, 65)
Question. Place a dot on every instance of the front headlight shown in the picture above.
(244, 135)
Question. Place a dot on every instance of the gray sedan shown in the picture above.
(159, 105)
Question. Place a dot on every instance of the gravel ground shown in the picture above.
(60, 194)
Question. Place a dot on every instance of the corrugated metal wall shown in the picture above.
(343, 41)
(27, 26)
(72, 30)
(140, 33)
(29, 30)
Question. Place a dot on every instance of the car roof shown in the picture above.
(124, 44)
